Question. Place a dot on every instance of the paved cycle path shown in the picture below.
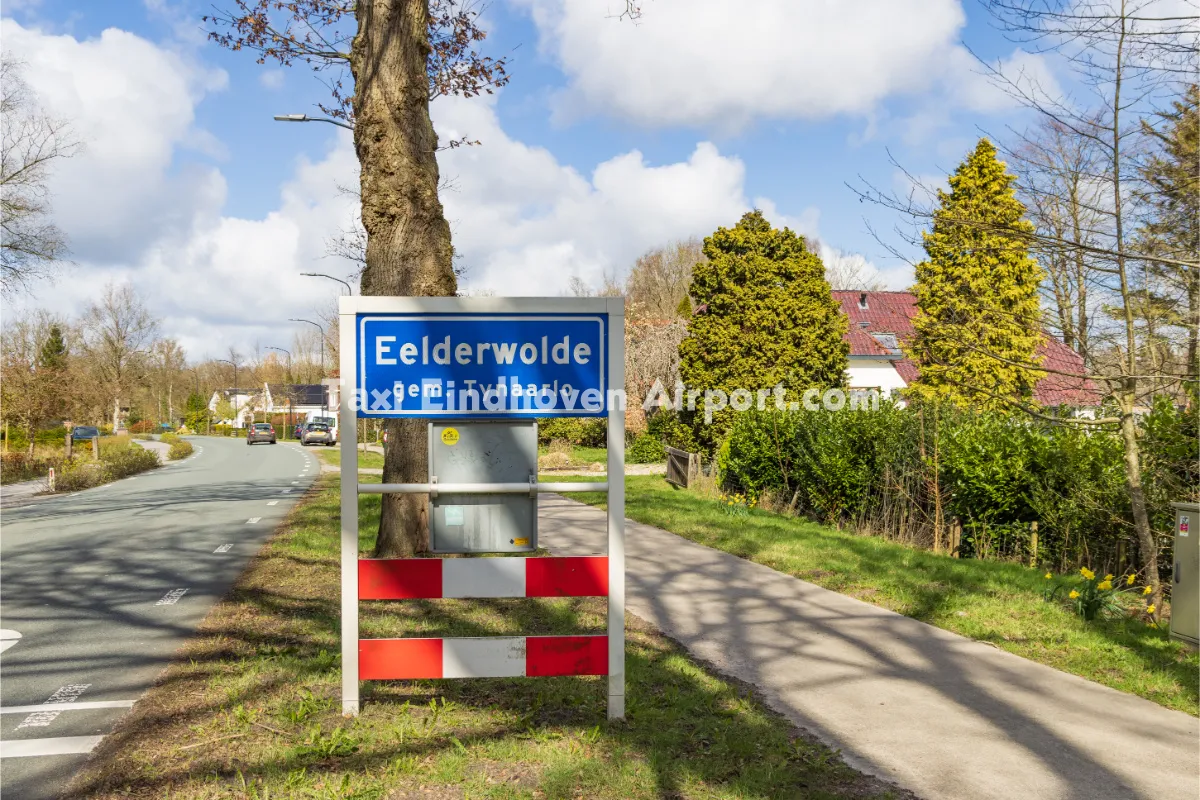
(944, 716)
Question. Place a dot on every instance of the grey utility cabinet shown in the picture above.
(483, 452)
(1185, 576)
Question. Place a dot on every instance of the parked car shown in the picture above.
(83, 433)
(260, 432)
(317, 433)
(299, 431)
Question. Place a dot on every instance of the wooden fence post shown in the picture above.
(1033, 543)
(96, 448)
(955, 537)
(70, 443)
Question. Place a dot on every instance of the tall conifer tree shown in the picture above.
(979, 324)
(766, 317)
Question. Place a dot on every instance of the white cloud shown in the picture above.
(271, 79)
(131, 103)
(722, 64)
(525, 224)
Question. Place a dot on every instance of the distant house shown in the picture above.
(881, 321)
(243, 401)
(296, 398)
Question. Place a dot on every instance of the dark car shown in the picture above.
(261, 432)
(316, 433)
(83, 433)
(299, 431)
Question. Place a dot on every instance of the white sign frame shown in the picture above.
(348, 310)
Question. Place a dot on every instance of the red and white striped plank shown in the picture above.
(493, 657)
(431, 578)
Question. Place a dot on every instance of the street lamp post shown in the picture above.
(235, 388)
(289, 386)
(322, 330)
(307, 118)
(330, 277)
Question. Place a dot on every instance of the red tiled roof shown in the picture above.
(893, 312)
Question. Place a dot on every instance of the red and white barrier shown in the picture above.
(493, 657)
(432, 578)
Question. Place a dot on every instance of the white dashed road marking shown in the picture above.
(295, 482)
(171, 597)
(223, 548)
(61, 746)
(68, 706)
(253, 520)
(273, 503)
(61, 697)
(285, 491)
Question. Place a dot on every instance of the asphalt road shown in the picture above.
(104, 585)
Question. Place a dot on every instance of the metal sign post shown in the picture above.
(484, 358)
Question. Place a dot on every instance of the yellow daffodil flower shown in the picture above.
(1108, 577)
(1104, 586)
(1130, 580)
(1087, 573)
(1150, 609)
(1073, 594)
(1147, 590)
(1049, 576)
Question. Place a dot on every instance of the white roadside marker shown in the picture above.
(171, 597)
(253, 520)
(223, 548)
(60, 746)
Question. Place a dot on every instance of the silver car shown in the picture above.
(317, 433)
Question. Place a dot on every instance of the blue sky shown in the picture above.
(611, 137)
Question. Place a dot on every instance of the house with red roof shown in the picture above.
(880, 322)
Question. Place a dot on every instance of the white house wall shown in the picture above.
(870, 373)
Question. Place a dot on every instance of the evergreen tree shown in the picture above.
(765, 317)
(54, 350)
(1172, 179)
(978, 326)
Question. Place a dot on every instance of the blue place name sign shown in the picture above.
(482, 365)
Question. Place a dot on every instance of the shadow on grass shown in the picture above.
(251, 705)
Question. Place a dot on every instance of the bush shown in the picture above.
(169, 438)
(896, 471)
(116, 461)
(581, 431)
(645, 449)
(143, 426)
(666, 426)
(20, 466)
(180, 449)
(224, 430)
(121, 463)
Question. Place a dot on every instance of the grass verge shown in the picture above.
(250, 707)
(991, 601)
(366, 460)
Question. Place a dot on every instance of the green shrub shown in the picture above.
(581, 431)
(20, 466)
(896, 470)
(666, 426)
(180, 449)
(169, 438)
(645, 449)
(123, 462)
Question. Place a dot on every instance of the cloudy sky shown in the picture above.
(612, 138)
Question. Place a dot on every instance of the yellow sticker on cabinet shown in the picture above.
(450, 437)
(521, 542)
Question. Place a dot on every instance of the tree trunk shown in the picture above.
(1147, 547)
(116, 414)
(408, 238)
